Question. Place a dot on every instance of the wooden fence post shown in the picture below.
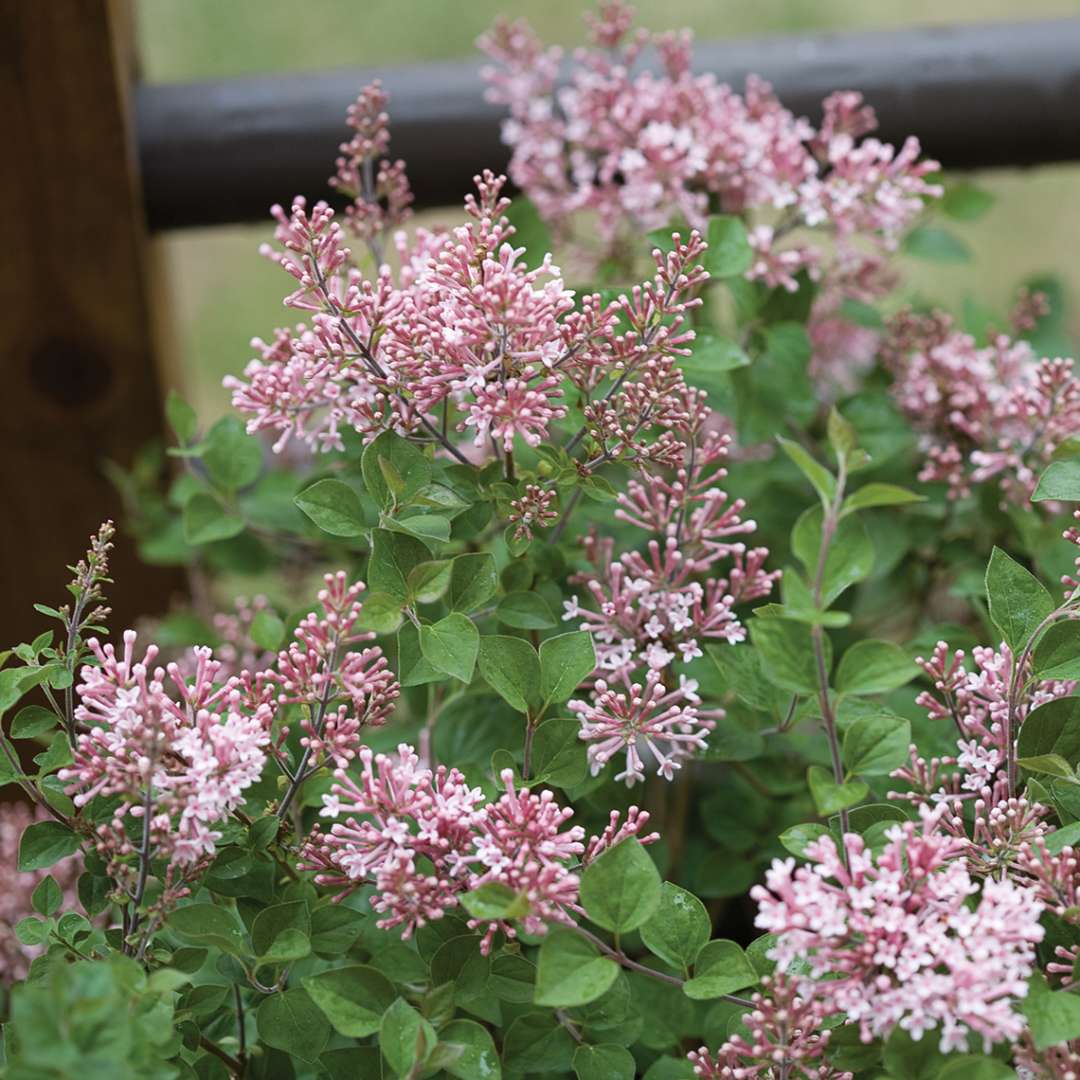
(78, 383)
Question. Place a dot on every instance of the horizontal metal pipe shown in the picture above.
(978, 96)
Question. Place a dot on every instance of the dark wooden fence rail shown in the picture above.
(977, 96)
(84, 171)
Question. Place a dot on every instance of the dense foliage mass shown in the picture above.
(537, 753)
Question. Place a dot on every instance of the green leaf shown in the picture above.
(405, 1037)
(426, 527)
(233, 459)
(1053, 1016)
(1056, 654)
(414, 669)
(334, 507)
(512, 978)
(429, 581)
(974, 1067)
(525, 611)
(209, 924)
(334, 929)
(966, 202)
(511, 667)
(31, 721)
(1060, 481)
(870, 495)
(713, 354)
(712, 357)
(669, 1068)
(729, 253)
(390, 454)
(787, 653)
(205, 520)
(850, 557)
(352, 998)
(722, 968)
(1018, 600)
(291, 1021)
(831, 797)
(1047, 765)
(607, 1061)
(843, 437)
(1053, 728)
(474, 1055)
(1067, 836)
(936, 245)
(570, 971)
(537, 1042)
(874, 667)
(451, 645)
(912, 1059)
(181, 417)
(559, 756)
(473, 581)
(823, 481)
(459, 961)
(797, 838)
(393, 558)
(621, 889)
(267, 630)
(282, 933)
(678, 928)
(381, 613)
(875, 745)
(46, 897)
(31, 931)
(45, 843)
(565, 661)
(493, 901)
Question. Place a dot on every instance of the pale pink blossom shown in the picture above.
(985, 413)
(423, 837)
(908, 939)
(787, 1039)
(668, 724)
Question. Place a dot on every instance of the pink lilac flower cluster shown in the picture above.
(786, 1040)
(976, 797)
(908, 939)
(342, 688)
(17, 887)
(180, 761)
(1058, 1062)
(378, 189)
(653, 609)
(985, 413)
(640, 150)
(533, 510)
(466, 336)
(1072, 534)
(669, 724)
(424, 837)
(180, 748)
(650, 608)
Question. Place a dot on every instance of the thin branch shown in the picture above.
(301, 774)
(238, 1001)
(236, 1069)
(373, 363)
(632, 965)
(829, 522)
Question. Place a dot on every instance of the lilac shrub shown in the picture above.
(652, 669)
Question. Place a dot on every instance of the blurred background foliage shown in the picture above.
(223, 293)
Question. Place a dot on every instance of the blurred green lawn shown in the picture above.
(223, 293)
